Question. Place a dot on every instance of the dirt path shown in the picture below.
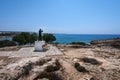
(29, 52)
(71, 72)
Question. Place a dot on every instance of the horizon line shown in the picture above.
(70, 33)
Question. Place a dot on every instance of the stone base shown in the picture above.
(39, 45)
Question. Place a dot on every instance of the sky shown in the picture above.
(61, 16)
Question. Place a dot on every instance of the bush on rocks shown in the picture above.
(43, 61)
(79, 67)
(78, 43)
(52, 68)
(49, 76)
(91, 60)
(7, 43)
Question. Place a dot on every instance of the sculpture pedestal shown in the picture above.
(39, 45)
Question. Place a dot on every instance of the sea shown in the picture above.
(87, 38)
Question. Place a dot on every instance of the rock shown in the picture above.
(86, 77)
(5, 76)
(62, 49)
(35, 66)
(76, 60)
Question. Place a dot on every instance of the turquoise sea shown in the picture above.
(8, 38)
(68, 38)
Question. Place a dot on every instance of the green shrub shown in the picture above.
(48, 76)
(53, 68)
(91, 60)
(79, 67)
(25, 38)
(49, 38)
(7, 43)
(78, 43)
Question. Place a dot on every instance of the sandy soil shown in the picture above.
(15, 48)
(64, 69)
(109, 57)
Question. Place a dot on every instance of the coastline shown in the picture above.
(68, 38)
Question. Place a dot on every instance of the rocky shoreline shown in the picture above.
(108, 42)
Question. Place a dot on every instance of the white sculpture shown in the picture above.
(39, 45)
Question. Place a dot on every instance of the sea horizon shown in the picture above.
(65, 33)
(87, 38)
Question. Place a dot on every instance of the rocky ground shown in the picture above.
(14, 48)
(90, 63)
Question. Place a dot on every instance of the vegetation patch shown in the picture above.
(52, 68)
(7, 43)
(78, 43)
(49, 38)
(43, 61)
(25, 38)
(49, 76)
(91, 60)
(79, 67)
(116, 45)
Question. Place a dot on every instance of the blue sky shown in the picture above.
(61, 16)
